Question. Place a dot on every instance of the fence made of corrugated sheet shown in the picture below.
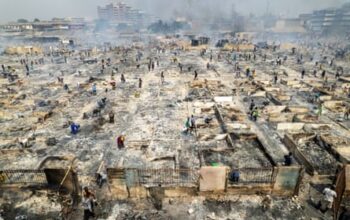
(25, 177)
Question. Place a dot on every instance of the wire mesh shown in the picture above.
(36, 177)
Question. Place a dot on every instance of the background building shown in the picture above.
(121, 13)
(53, 25)
(335, 20)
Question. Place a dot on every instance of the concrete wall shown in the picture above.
(212, 178)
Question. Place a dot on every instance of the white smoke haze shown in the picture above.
(11, 10)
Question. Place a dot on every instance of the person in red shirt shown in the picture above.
(120, 141)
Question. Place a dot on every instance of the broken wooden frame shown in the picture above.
(290, 141)
(336, 144)
(340, 186)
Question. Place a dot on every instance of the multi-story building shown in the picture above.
(121, 13)
(334, 20)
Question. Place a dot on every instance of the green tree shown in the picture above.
(22, 20)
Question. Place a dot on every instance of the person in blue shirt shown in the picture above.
(74, 128)
(288, 159)
(94, 89)
(234, 176)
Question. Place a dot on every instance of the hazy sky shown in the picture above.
(11, 10)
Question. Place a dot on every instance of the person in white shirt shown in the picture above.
(88, 201)
(328, 197)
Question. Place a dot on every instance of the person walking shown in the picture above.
(88, 202)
